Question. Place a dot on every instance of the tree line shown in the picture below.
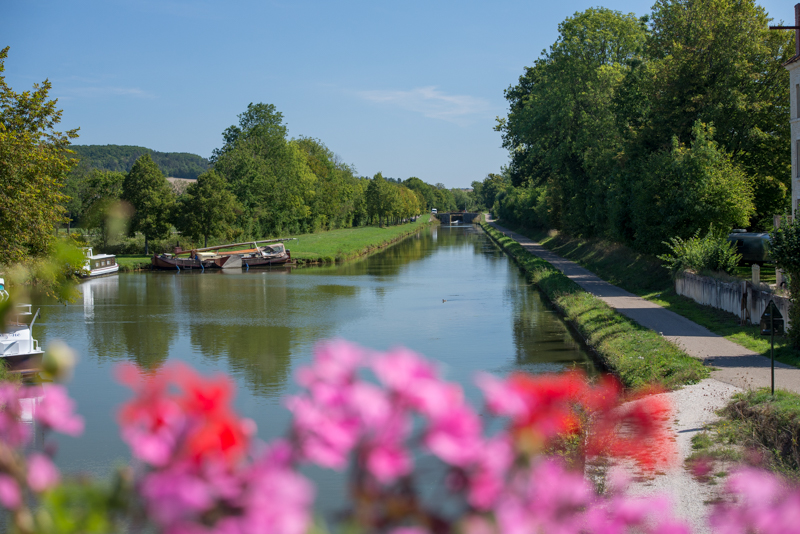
(121, 158)
(260, 184)
(640, 129)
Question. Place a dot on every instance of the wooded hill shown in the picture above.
(120, 158)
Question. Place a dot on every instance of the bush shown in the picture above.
(712, 253)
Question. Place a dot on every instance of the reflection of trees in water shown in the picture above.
(146, 320)
(134, 320)
(258, 355)
(540, 336)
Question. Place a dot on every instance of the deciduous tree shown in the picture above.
(207, 209)
(148, 191)
(34, 163)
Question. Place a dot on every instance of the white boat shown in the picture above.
(18, 348)
(99, 264)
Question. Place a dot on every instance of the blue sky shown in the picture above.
(404, 88)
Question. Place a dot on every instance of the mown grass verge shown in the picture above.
(756, 428)
(334, 246)
(638, 356)
(644, 276)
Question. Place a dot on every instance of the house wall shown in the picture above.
(794, 121)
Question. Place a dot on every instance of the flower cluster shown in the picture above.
(391, 420)
(49, 407)
(343, 416)
(199, 475)
(760, 503)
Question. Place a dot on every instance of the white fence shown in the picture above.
(729, 296)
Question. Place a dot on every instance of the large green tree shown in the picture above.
(561, 128)
(268, 174)
(34, 164)
(207, 208)
(716, 62)
(152, 199)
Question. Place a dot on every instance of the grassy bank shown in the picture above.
(637, 355)
(334, 246)
(644, 276)
(756, 428)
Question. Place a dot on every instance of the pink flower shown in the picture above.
(56, 411)
(12, 430)
(10, 495)
(401, 370)
(326, 435)
(335, 362)
(42, 474)
(501, 397)
(176, 493)
(487, 478)
(766, 505)
(277, 500)
(387, 458)
(455, 436)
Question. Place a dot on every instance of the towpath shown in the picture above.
(734, 364)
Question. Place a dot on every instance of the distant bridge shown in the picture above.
(457, 216)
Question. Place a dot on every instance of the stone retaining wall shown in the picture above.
(728, 296)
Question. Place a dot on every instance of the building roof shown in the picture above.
(792, 60)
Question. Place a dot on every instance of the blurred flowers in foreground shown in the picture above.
(419, 458)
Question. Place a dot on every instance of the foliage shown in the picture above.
(785, 252)
(688, 188)
(207, 209)
(52, 274)
(714, 253)
(645, 129)
(146, 189)
(120, 158)
(34, 162)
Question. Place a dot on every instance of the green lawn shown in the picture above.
(334, 246)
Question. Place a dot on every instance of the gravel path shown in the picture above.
(694, 408)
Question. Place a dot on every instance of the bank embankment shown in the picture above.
(644, 276)
(333, 246)
(637, 355)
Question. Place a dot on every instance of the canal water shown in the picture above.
(448, 293)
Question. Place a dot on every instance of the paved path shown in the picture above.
(734, 364)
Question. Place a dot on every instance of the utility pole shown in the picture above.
(796, 29)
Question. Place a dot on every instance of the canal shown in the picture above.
(448, 293)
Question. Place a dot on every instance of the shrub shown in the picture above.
(712, 253)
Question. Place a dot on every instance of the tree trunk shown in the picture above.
(146, 248)
(205, 241)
